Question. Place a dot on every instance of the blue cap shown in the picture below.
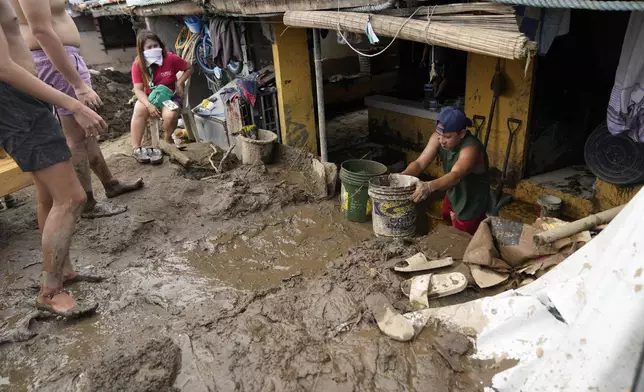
(453, 119)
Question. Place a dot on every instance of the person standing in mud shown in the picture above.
(54, 41)
(30, 134)
(465, 164)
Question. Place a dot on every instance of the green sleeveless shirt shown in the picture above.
(470, 197)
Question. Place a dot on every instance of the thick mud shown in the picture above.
(115, 90)
(238, 282)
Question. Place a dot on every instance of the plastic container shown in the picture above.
(549, 206)
(354, 197)
(394, 213)
(260, 149)
(429, 101)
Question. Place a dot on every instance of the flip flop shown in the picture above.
(156, 156)
(81, 309)
(103, 210)
(442, 285)
(84, 278)
(390, 322)
(419, 262)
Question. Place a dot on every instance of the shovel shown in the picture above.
(497, 86)
(478, 121)
(499, 200)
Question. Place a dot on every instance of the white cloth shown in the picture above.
(153, 56)
(626, 105)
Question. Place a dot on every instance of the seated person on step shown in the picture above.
(154, 74)
(465, 165)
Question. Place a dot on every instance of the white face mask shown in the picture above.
(154, 56)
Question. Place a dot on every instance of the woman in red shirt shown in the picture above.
(155, 66)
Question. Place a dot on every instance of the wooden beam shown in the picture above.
(12, 179)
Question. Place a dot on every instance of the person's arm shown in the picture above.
(38, 14)
(464, 165)
(139, 90)
(143, 98)
(429, 154)
(181, 65)
(18, 77)
(181, 82)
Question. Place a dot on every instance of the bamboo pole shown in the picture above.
(497, 43)
(572, 228)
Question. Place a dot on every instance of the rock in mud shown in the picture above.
(142, 365)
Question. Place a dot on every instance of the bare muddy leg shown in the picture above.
(83, 154)
(60, 200)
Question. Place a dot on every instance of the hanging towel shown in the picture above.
(626, 105)
(225, 42)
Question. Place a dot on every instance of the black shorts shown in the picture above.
(29, 131)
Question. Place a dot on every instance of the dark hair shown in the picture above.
(143, 36)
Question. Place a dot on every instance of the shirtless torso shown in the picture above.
(19, 52)
(62, 23)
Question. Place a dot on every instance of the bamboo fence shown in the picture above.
(498, 43)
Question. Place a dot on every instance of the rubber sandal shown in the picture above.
(141, 155)
(84, 278)
(390, 322)
(102, 210)
(81, 309)
(420, 289)
(419, 262)
(156, 155)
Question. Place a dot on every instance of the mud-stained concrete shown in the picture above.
(245, 281)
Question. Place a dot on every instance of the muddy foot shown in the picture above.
(102, 209)
(63, 304)
(120, 187)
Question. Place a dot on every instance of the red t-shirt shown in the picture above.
(161, 75)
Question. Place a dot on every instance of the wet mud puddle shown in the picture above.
(299, 241)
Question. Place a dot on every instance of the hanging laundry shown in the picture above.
(543, 25)
(249, 88)
(626, 105)
(371, 34)
(226, 45)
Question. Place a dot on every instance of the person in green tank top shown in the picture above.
(465, 164)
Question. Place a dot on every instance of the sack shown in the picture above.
(159, 95)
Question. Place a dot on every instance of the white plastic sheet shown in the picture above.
(580, 327)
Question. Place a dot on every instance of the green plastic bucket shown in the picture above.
(354, 197)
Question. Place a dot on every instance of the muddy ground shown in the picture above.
(241, 282)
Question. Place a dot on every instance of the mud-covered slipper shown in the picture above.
(419, 262)
(84, 278)
(80, 310)
(390, 322)
(421, 288)
(156, 156)
(141, 155)
(102, 210)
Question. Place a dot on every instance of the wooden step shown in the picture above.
(12, 179)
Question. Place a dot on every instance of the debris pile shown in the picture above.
(115, 90)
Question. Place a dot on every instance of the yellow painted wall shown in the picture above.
(514, 102)
(407, 133)
(294, 88)
(608, 195)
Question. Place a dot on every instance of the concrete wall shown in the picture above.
(97, 58)
(93, 52)
(294, 88)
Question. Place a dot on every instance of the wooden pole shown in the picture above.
(175, 154)
(577, 226)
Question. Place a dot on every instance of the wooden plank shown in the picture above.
(12, 179)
